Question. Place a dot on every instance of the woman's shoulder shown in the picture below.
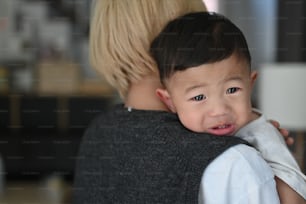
(119, 120)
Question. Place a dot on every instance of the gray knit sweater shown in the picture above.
(143, 157)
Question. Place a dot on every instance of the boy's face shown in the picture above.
(213, 98)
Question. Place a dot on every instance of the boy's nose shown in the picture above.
(218, 108)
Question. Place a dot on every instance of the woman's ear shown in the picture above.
(254, 75)
(165, 97)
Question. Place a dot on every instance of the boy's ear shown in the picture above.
(165, 97)
(254, 75)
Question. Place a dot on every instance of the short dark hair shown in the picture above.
(195, 39)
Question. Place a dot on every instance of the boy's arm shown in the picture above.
(284, 132)
(286, 194)
(268, 140)
(242, 175)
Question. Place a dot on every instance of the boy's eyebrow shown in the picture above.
(234, 78)
(195, 87)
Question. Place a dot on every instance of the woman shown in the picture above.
(138, 152)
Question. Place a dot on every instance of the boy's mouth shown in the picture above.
(221, 127)
(224, 129)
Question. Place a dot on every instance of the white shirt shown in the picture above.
(242, 175)
(271, 144)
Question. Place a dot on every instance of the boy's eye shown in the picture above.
(198, 97)
(232, 90)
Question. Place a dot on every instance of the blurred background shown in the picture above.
(49, 93)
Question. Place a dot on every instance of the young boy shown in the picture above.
(205, 67)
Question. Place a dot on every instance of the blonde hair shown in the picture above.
(121, 32)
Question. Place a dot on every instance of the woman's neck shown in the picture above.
(141, 95)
